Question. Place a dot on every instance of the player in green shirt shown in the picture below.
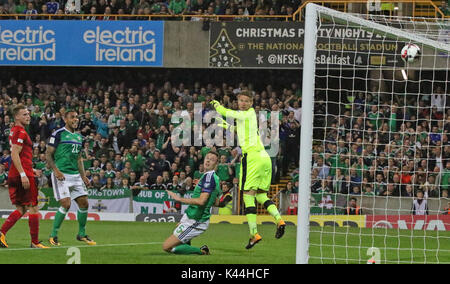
(69, 179)
(195, 220)
(256, 165)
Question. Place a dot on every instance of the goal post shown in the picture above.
(304, 191)
(399, 31)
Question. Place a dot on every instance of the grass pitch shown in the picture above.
(141, 243)
(351, 245)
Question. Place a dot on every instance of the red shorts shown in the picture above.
(21, 196)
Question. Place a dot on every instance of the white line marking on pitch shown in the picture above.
(83, 246)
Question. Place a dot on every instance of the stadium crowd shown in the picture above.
(383, 144)
(106, 9)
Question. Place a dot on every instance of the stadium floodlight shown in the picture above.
(395, 126)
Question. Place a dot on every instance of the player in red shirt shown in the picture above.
(23, 191)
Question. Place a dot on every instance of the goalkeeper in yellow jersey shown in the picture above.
(256, 166)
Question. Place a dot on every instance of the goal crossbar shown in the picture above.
(383, 30)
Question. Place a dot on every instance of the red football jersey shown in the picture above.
(20, 137)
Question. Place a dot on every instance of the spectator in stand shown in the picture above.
(158, 185)
(30, 11)
(249, 7)
(101, 124)
(141, 6)
(86, 6)
(177, 7)
(21, 7)
(389, 191)
(72, 7)
(446, 210)
(132, 125)
(10, 7)
(43, 11)
(107, 15)
(96, 182)
(420, 204)
(52, 6)
(445, 8)
(140, 185)
(323, 169)
(353, 208)
(409, 192)
(5, 159)
(195, 5)
(114, 6)
(128, 7)
(101, 5)
(140, 14)
(121, 14)
(57, 123)
(87, 126)
(109, 184)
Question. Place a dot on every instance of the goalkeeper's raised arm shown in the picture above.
(246, 122)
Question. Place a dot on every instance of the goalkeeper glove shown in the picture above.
(215, 103)
(222, 123)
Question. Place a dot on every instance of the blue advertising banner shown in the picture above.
(82, 43)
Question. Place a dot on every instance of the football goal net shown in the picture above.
(375, 153)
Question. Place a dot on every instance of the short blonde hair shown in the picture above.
(247, 94)
(17, 109)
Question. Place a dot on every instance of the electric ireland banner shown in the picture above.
(81, 43)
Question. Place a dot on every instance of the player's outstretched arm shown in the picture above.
(228, 112)
(222, 123)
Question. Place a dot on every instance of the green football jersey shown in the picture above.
(210, 183)
(110, 174)
(222, 172)
(95, 170)
(68, 146)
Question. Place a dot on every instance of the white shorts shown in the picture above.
(188, 229)
(72, 186)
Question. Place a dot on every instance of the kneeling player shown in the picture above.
(195, 221)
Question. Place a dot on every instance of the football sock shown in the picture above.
(12, 219)
(82, 220)
(59, 218)
(250, 213)
(186, 249)
(33, 223)
(269, 205)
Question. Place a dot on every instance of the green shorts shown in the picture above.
(255, 171)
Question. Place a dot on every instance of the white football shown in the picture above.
(410, 52)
